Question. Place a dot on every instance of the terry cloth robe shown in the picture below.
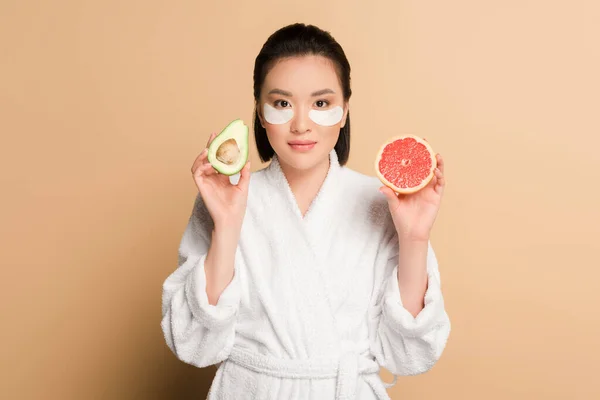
(314, 308)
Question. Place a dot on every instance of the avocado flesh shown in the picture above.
(228, 152)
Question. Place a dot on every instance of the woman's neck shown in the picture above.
(305, 184)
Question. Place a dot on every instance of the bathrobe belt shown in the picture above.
(345, 369)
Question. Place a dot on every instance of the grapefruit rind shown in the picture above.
(425, 181)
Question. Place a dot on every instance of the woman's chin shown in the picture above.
(304, 161)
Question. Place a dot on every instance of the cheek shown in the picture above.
(328, 135)
(276, 133)
(334, 135)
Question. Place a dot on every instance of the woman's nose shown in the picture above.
(300, 122)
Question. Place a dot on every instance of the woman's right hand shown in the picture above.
(225, 201)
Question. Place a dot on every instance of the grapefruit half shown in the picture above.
(405, 164)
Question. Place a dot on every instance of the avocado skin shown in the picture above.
(238, 131)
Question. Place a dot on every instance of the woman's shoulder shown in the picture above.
(363, 189)
(360, 184)
(258, 179)
(359, 180)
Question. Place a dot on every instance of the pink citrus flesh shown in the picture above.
(406, 164)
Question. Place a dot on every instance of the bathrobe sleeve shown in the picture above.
(403, 344)
(197, 332)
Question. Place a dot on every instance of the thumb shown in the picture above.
(389, 194)
(245, 176)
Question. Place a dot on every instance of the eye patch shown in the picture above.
(327, 117)
(277, 116)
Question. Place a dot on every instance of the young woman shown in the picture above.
(302, 279)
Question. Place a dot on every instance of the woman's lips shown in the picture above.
(302, 145)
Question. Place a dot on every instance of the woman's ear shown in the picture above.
(345, 116)
(259, 113)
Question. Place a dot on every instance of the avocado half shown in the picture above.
(228, 152)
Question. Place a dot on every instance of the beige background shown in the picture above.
(105, 104)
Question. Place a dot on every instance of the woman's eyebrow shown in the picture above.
(322, 92)
(280, 92)
(314, 94)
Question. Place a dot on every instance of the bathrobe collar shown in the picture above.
(321, 211)
(325, 193)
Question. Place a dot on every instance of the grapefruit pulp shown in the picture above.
(405, 164)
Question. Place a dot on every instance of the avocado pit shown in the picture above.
(228, 152)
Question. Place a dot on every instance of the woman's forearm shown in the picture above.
(412, 274)
(219, 264)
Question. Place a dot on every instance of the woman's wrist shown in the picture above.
(411, 240)
(226, 236)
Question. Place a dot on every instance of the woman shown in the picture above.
(303, 279)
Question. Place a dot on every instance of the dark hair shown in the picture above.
(300, 40)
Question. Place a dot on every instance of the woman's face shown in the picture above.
(302, 109)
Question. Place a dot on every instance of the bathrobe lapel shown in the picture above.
(307, 241)
(321, 214)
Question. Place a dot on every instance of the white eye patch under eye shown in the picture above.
(327, 117)
(275, 116)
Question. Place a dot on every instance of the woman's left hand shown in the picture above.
(415, 213)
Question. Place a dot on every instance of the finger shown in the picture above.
(208, 169)
(224, 179)
(439, 174)
(244, 177)
(440, 181)
(390, 195)
(199, 159)
(211, 138)
(439, 189)
(440, 162)
(205, 170)
(433, 181)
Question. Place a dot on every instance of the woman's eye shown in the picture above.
(321, 103)
(281, 103)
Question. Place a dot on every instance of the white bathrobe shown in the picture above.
(314, 308)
